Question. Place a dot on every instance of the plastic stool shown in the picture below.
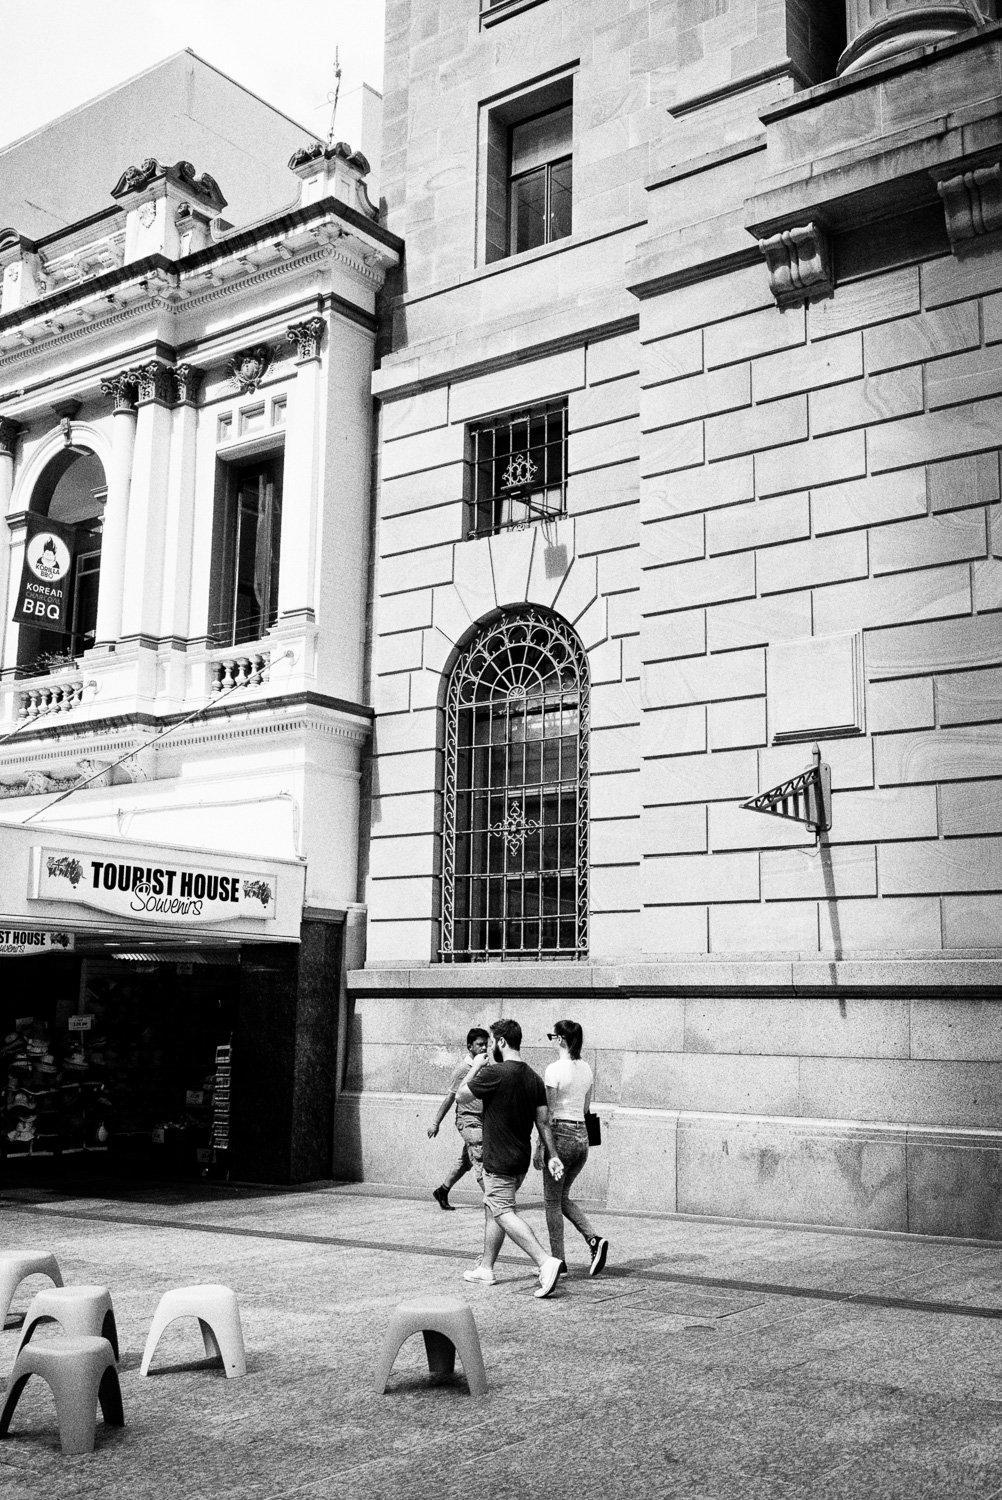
(448, 1325)
(80, 1373)
(15, 1265)
(218, 1316)
(84, 1310)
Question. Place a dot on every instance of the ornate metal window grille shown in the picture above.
(519, 468)
(515, 858)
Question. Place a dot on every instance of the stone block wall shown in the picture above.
(783, 525)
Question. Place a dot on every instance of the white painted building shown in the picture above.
(193, 403)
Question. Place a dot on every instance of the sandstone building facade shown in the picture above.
(688, 459)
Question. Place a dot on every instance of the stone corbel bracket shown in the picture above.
(799, 261)
(972, 202)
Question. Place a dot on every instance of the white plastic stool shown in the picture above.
(448, 1325)
(83, 1310)
(15, 1265)
(218, 1316)
(80, 1373)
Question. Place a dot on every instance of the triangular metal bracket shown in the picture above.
(806, 798)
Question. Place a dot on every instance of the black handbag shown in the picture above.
(593, 1125)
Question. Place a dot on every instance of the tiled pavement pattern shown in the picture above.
(709, 1361)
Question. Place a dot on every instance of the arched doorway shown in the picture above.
(71, 490)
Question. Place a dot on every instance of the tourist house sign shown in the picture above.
(151, 892)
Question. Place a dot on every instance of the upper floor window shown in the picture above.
(246, 550)
(539, 201)
(72, 491)
(515, 846)
(525, 172)
(519, 467)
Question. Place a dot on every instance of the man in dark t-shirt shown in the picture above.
(514, 1101)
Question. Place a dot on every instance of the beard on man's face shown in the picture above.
(498, 1055)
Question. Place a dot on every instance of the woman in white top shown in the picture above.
(569, 1083)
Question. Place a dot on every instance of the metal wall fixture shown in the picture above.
(515, 824)
(806, 798)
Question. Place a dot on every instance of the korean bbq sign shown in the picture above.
(43, 599)
(153, 891)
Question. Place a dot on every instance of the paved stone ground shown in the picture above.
(709, 1362)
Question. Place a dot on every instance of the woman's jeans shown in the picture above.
(571, 1140)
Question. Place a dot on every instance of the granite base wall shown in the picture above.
(730, 1095)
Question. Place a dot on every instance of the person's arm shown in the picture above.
(537, 1155)
(555, 1165)
(443, 1110)
(464, 1093)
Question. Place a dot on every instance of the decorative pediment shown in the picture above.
(205, 188)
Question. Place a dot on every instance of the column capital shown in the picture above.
(122, 390)
(187, 384)
(153, 383)
(307, 337)
(9, 430)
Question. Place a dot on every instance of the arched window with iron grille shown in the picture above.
(515, 856)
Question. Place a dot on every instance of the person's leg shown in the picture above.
(493, 1240)
(573, 1163)
(552, 1202)
(519, 1232)
(460, 1168)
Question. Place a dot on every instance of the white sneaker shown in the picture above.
(549, 1273)
(480, 1273)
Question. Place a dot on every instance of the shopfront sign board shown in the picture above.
(80, 1023)
(43, 600)
(22, 942)
(156, 890)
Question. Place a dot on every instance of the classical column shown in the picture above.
(296, 581)
(122, 389)
(8, 442)
(876, 29)
(146, 540)
(10, 550)
(177, 576)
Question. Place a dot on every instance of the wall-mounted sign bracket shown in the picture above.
(806, 798)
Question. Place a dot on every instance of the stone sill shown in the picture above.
(859, 975)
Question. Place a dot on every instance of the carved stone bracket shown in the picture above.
(122, 390)
(972, 203)
(800, 265)
(187, 384)
(248, 367)
(153, 382)
(9, 430)
(307, 337)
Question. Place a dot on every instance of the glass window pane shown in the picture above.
(560, 199)
(528, 211)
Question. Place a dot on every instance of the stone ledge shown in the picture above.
(856, 976)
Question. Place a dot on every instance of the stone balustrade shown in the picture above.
(53, 695)
(236, 671)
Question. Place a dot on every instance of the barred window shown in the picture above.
(519, 467)
(515, 857)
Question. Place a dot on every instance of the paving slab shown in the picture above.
(710, 1361)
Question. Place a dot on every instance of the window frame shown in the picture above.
(223, 630)
(503, 501)
(493, 676)
(496, 119)
(546, 168)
